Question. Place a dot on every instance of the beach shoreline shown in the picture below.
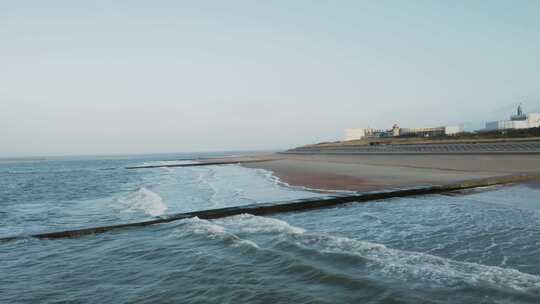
(380, 172)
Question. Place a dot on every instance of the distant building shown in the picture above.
(360, 133)
(354, 134)
(396, 131)
(518, 121)
(428, 132)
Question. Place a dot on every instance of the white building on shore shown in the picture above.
(395, 131)
(518, 121)
(360, 133)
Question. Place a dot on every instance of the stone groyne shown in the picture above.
(290, 206)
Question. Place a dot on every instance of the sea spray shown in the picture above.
(143, 200)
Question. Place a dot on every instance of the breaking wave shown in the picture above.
(421, 266)
(213, 231)
(143, 200)
(375, 258)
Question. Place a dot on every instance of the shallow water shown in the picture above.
(479, 248)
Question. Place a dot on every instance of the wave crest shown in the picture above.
(143, 200)
(420, 266)
(377, 258)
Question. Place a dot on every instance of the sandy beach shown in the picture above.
(376, 172)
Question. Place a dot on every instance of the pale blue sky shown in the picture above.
(84, 77)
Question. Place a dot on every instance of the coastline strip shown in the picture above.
(464, 148)
(290, 206)
(210, 163)
(341, 152)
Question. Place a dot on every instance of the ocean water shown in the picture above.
(483, 247)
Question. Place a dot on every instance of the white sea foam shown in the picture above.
(205, 177)
(387, 261)
(143, 200)
(248, 223)
(168, 169)
(213, 231)
(421, 266)
(199, 226)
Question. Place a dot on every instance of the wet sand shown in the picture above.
(377, 172)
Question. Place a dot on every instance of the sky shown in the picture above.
(108, 77)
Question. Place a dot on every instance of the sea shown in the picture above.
(477, 247)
